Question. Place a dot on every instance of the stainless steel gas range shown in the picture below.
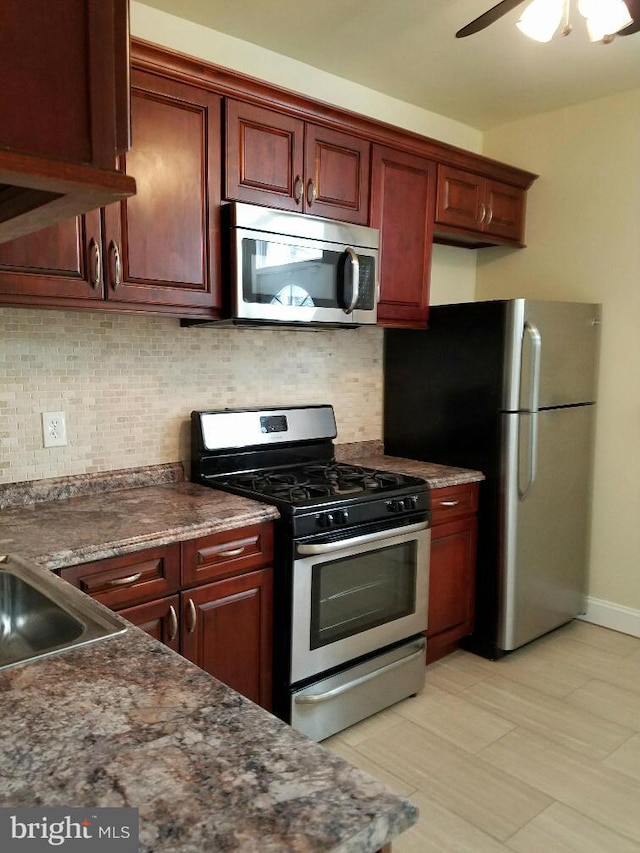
(351, 572)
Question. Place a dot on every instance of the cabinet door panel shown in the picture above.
(228, 632)
(505, 206)
(451, 585)
(460, 198)
(338, 166)
(264, 156)
(167, 233)
(60, 261)
(158, 618)
(402, 207)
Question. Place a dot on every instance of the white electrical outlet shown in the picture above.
(54, 429)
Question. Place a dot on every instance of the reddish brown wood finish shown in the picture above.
(228, 632)
(452, 568)
(229, 552)
(63, 87)
(478, 210)
(130, 578)
(167, 235)
(277, 160)
(160, 619)
(403, 196)
(59, 261)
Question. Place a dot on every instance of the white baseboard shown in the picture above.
(614, 616)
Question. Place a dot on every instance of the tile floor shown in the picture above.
(536, 753)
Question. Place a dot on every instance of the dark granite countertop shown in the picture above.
(372, 455)
(128, 722)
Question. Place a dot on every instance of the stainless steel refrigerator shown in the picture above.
(507, 387)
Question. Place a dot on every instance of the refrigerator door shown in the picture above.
(545, 522)
(554, 346)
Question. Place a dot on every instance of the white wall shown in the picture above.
(583, 231)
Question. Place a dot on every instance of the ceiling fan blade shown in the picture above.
(490, 17)
(634, 11)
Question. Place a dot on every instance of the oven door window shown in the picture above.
(302, 274)
(356, 593)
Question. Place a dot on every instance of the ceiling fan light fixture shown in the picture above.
(541, 19)
(604, 17)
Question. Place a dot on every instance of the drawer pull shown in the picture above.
(192, 617)
(124, 581)
(173, 623)
(232, 552)
(449, 503)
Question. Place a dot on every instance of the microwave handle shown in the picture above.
(355, 279)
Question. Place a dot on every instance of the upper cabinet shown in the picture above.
(477, 210)
(403, 194)
(157, 251)
(68, 111)
(281, 161)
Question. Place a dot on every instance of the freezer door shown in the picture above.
(551, 357)
(544, 522)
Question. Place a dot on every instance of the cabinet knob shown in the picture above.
(192, 616)
(449, 503)
(124, 581)
(173, 623)
(298, 188)
(489, 215)
(312, 192)
(95, 263)
(117, 264)
(482, 212)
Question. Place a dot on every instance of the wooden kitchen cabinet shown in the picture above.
(160, 249)
(278, 160)
(210, 598)
(64, 101)
(227, 631)
(452, 568)
(403, 195)
(479, 210)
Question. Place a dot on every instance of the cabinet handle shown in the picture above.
(482, 212)
(298, 189)
(449, 503)
(192, 616)
(312, 192)
(489, 215)
(125, 581)
(173, 623)
(117, 264)
(95, 263)
(232, 552)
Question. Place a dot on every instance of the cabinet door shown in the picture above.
(451, 585)
(158, 618)
(62, 261)
(162, 244)
(505, 209)
(227, 631)
(402, 206)
(264, 156)
(460, 198)
(336, 175)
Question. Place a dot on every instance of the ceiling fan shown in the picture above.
(505, 6)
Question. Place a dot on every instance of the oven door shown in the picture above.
(357, 595)
(285, 279)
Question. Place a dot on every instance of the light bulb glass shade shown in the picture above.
(604, 17)
(541, 19)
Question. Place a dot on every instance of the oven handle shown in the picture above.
(342, 544)
(317, 698)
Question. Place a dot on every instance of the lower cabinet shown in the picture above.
(225, 626)
(452, 568)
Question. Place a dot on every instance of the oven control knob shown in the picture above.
(394, 505)
(341, 516)
(412, 502)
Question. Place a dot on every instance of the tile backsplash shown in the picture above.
(128, 383)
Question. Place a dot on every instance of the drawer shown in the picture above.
(226, 553)
(129, 579)
(453, 501)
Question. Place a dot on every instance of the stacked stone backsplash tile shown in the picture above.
(127, 385)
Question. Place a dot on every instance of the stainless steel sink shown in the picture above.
(40, 614)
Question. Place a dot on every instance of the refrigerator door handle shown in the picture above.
(533, 406)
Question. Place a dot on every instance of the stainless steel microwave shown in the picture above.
(295, 269)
